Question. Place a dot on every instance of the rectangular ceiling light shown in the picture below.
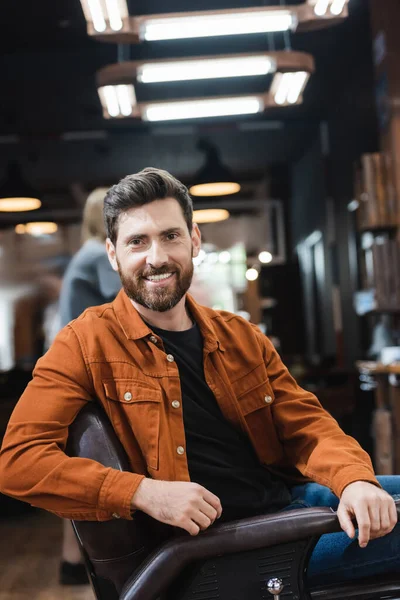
(287, 87)
(208, 25)
(322, 8)
(117, 100)
(200, 109)
(186, 70)
(105, 13)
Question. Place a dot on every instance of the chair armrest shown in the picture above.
(163, 566)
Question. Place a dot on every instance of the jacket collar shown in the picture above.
(135, 328)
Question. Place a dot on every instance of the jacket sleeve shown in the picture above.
(33, 465)
(312, 438)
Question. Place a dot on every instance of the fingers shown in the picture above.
(375, 515)
(374, 520)
(209, 511)
(191, 527)
(202, 520)
(214, 501)
(383, 517)
(393, 514)
(345, 521)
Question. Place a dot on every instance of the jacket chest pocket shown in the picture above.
(135, 411)
(256, 407)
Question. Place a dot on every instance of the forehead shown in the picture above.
(151, 218)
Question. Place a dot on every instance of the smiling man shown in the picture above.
(212, 422)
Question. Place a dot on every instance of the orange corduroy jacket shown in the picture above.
(109, 355)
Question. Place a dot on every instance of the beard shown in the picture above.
(159, 299)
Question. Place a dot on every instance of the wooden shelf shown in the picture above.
(378, 229)
(376, 368)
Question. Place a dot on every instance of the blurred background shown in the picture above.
(283, 119)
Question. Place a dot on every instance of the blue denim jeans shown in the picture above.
(338, 558)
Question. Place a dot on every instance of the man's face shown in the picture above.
(153, 254)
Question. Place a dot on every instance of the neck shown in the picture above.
(176, 319)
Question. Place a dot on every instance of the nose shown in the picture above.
(156, 256)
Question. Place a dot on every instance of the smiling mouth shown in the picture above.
(156, 278)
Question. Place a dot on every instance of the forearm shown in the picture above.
(39, 472)
(313, 440)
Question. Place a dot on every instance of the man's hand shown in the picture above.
(178, 503)
(373, 509)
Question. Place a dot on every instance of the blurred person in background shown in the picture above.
(88, 281)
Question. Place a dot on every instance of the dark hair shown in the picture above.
(142, 188)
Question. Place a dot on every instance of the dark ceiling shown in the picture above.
(50, 115)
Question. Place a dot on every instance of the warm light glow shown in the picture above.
(321, 7)
(337, 7)
(114, 15)
(37, 228)
(197, 260)
(105, 12)
(19, 204)
(210, 215)
(96, 15)
(118, 100)
(224, 257)
(197, 109)
(212, 258)
(126, 99)
(287, 87)
(186, 70)
(219, 188)
(265, 257)
(240, 22)
(251, 274)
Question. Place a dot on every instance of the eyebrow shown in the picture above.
(142, 236)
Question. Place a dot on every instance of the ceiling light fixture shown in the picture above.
(118, 97)
(265, 257)
(216, 24)
(117, 100)
(214, 178)
(328, 8)
(337, 7)
(212, 68)
(101, 15)
(16, 195)
(251, 274)
(202, 108)
(219, 188)
(199, 24)
(287, 88)
(210, 215)
(37, 228)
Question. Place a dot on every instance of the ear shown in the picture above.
(112, 257)
(196, 239)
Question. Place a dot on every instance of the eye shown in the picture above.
(136, 242)
(172, 236)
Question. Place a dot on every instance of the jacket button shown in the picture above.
(128, 396)
(153, 339)
(176, 404)
(268, 399)
(170, 358)
(180, 450)
(116, 516)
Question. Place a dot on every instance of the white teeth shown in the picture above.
(158, 277)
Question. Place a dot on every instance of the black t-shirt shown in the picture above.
(220, 458)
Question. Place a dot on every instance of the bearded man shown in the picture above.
(212, 422)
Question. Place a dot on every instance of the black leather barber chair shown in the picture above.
(251, 559)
